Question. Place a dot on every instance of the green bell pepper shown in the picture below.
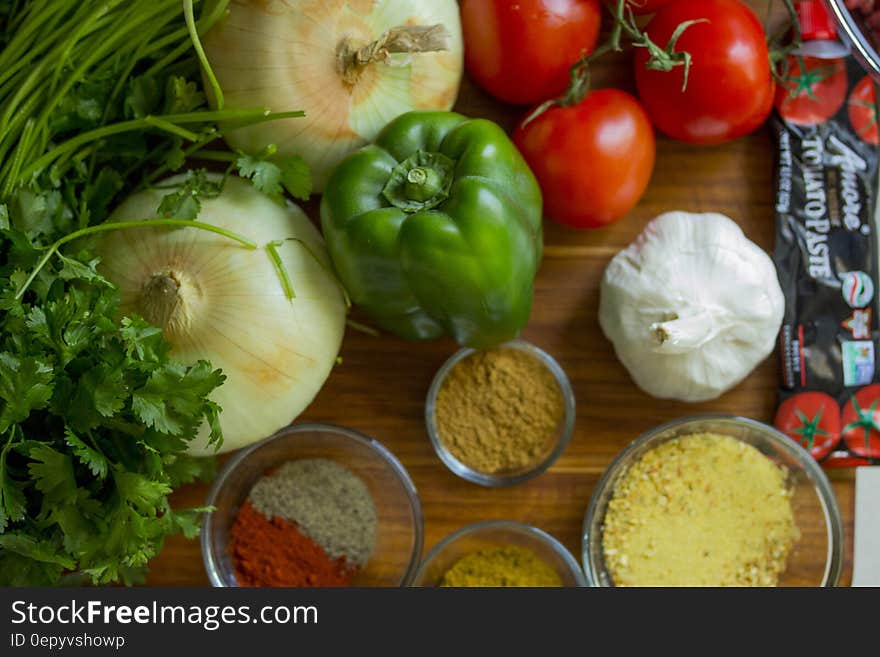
(437, 228)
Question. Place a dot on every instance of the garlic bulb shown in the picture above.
(351, 65)
(691, 307)
(222, 302)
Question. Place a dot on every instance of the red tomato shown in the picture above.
(813, 91)
(861, 422)
(863, 111)
(811, 419)
(730, 87)
(522, 51)
(593, 159)
(641, 7)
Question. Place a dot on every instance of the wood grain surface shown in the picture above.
(381, 385)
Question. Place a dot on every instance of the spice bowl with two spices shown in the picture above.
(501, 416)
(313, 505)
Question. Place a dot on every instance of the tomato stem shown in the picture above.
(779, 64)
(660, 59)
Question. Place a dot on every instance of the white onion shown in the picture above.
(285, 55)
(219, 301)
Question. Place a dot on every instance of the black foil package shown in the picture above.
(827, 261)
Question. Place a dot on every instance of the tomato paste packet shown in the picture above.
(827, 260)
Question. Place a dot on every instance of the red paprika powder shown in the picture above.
(273, 552)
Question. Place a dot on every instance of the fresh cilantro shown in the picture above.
(25, 386)
(269, 176)
(91, 458)
(182, 412)
(95, 417)
(296, 177)
(186, 201)
(94, 425)
(142, 98)
(182, 96)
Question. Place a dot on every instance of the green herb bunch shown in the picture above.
(97, 98)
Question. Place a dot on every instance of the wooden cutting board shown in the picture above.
(380, 388)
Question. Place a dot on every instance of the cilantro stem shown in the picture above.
(327, 268)
(363, 328)
(124, 225)
(218, 156)
(251, 116)
(203, 59)
(205, 23)
(167, 126)
(275, 257)
(17, 158)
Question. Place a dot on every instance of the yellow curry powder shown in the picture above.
(511, 566)
(700, 510)
(499, 410)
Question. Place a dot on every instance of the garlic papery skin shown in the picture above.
(691, 307)
(333, 60)
(219, 301)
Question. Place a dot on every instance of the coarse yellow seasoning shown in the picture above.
(700, 510)
(511, 566)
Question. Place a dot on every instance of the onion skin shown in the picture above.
(284, 54)
(219, 301)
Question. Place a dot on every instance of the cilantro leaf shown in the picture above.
(91, 458)
(182, 96)
(143, 341)
(268, 177)
(141, 493)
(77, 269)
(186, 201)
(12, 498)
(141, 99)
(101, 192)
(265, 175)
(181, 412)
(38, 551)
(39, 214)
(296, 177)
(52, 472)
(174, 157)
(25, 385)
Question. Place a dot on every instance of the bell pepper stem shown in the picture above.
(423, 183)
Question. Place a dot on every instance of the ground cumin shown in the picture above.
(700, 510)
(499, 411)
(511, 566)
(275, 553)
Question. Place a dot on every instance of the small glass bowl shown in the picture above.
(816, 558)
(494, 534)
(555, 447)
(399, 533)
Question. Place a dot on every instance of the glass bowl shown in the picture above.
(555, 447)
(493, 534)
(399, 532)
(817, 557)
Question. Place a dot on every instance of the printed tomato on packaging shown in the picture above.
(827, 260)
(813, 91)
(861, 422)
(862, 110)
(813, 420)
